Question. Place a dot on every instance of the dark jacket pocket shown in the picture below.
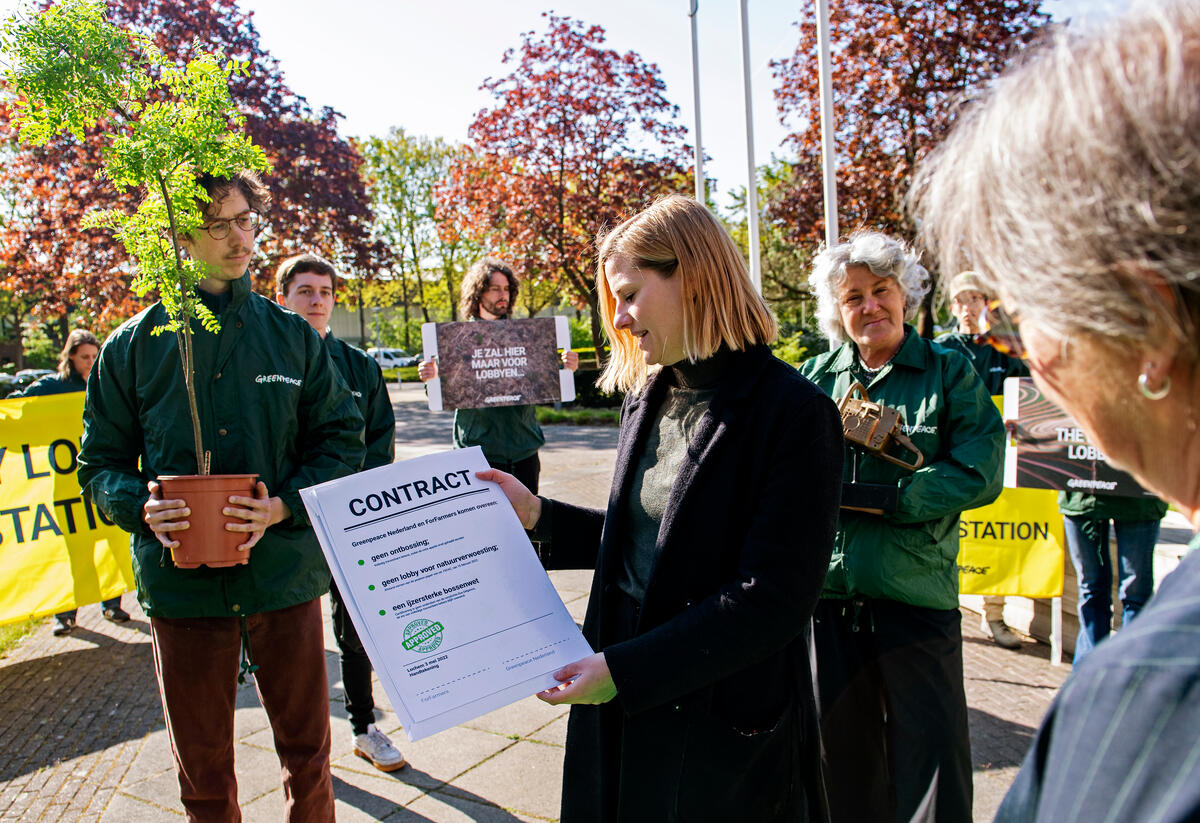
(741, 774)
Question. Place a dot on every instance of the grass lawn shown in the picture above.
(12, 634)
(573, 416)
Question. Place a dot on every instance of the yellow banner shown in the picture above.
(57, 551)
(1012, 547)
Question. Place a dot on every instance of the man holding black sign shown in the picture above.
(509, 435)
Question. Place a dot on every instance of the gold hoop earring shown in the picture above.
(1153, 394)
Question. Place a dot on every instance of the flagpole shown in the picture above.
(751, 169)
(828, 127)
(699, 149)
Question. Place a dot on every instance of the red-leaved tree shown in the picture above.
(320, 201)
(579, 138)
(899, 69)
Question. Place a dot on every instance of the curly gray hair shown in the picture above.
(884, 256)
(1073, 188)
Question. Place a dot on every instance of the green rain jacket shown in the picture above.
(365, 379)
(506, 433)
(270, 403)
(910, 555)
(1108, 507)
(52, 384)
(991, 366)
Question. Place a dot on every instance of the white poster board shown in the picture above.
(452, 605)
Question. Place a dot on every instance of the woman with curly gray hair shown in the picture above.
(1074, 191)
(887, 628)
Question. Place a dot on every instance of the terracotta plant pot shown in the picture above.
(206, 542)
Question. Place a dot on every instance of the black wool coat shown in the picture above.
(714, 718)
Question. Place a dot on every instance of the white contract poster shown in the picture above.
(449, 598)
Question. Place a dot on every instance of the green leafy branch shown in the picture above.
(70, 71)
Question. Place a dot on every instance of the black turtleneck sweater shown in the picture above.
(686, 401)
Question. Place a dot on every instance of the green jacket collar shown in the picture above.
(241, 290)
(912, 354)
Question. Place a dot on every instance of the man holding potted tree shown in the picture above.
(307, 284)
(270, 402)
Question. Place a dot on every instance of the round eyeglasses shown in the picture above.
(219, 229)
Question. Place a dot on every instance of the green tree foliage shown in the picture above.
(319, 199)
(900, 70)
(784, 263)
(161, 124)
(579, 138)
(401, 172)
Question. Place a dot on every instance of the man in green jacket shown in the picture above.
(968, 303)
(270, 403)
(307, 284)
(510, 436)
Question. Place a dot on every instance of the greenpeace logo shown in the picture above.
(356, 393)
(1080, 483)
(502, 398)
(278, 378)
(918, 429)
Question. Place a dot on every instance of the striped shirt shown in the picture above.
(1121, 742)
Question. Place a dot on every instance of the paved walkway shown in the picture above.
(82, 737)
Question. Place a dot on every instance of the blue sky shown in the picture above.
(418, 64)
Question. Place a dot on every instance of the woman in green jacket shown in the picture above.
(887, 629)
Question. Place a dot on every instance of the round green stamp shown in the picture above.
(422, 635)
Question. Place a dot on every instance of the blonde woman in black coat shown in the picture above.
(698, 704)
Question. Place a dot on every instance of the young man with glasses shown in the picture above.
(272, 404)
(968, 303)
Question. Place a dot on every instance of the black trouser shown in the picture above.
(893, 712)
(356, 666)
(526, 470)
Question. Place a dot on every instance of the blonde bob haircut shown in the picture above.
(678, 237)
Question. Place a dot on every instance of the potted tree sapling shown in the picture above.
(69, 71)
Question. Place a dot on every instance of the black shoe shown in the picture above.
(116, 615)
(63, 626)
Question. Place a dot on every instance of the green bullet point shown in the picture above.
(372, 588)
(381, 611)
(362, 562)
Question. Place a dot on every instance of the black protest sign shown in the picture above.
(1051, 451)
(486, 363)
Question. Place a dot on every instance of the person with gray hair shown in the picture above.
(1073, 189)
(887, 629)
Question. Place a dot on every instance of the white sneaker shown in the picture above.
(375, 746)
(1005, 637)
